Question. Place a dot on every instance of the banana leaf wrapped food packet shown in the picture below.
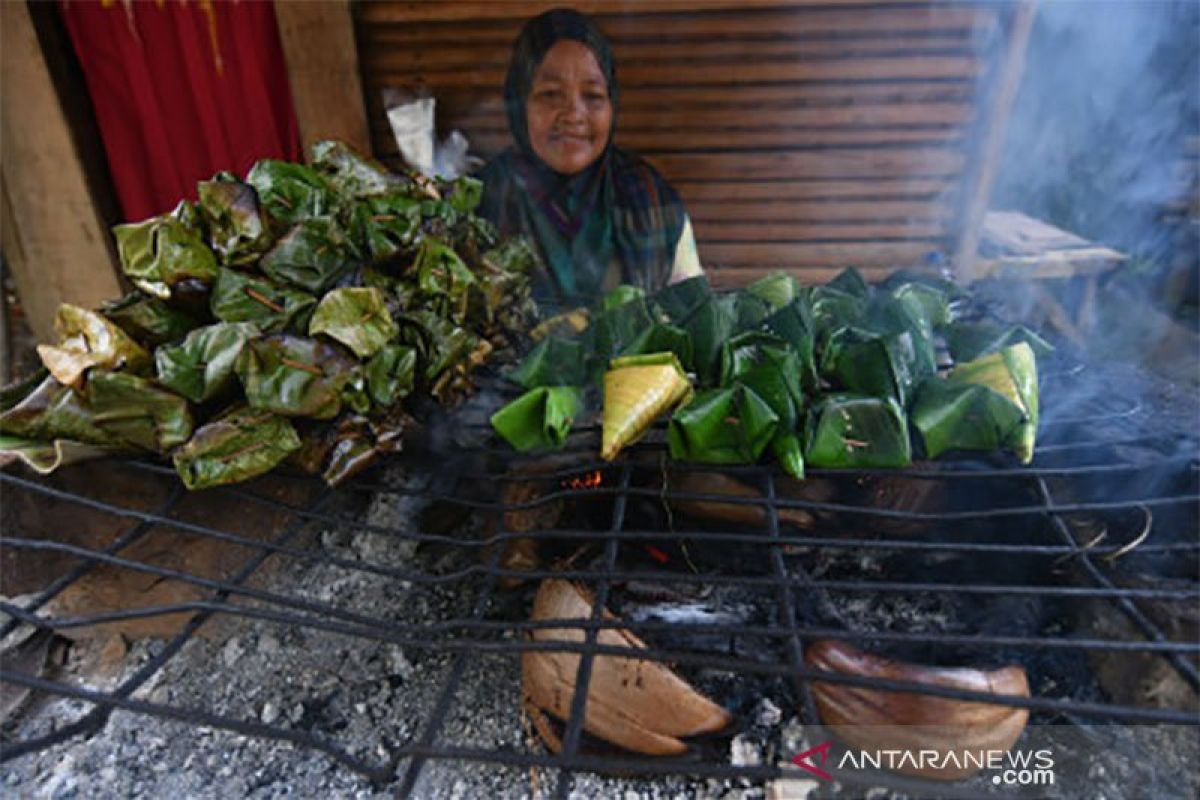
(356, 317)
(85, 340)
(295, 376)
(49, 411)
(846, 430)
(732, 425)
(392, 374)
(238, 231)
(147, 319)
(312, 256)
(201, 367)
(291, 193)
(134, 410)
(793, 323)
(161, 253)
(272, 307)
(554, 361)
(986, 404)
(678, 301)
(663, 337)
(771, 368)
(539, 419)
(241, 444)
(968, 341)
(881, 365)
(637, 390)
(777, 290)
(614, 328)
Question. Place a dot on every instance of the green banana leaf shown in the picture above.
(680, 300)
(357, 317)
(554, 361)
(927, 303)
(463, 194)
(963, 416)
(833, 310)
(351, 174)
(891, 316)
(732, 425)
(621, 295)
(391, 374)
(54, 411)
(291, 193)
(749, 311)
(356, 391)
(135, 410)
(441, 343)
(162, 252)
(851, 282)
(443, 277)
(353, 443)
(794, 324)
(237, 228)
(387, 225)
(148, 320)
(294, 376)
(515, 255)
(85, 340)
(663, 337)
(272, 307)
(845, 430)
(777, 290)
(45, 457)
(241, 444)
(710, 325)
(1010, 378)
(612, 330)
(968, 341)
(312, 255)
(201, 366)
(769, 366)
(540, 418)
(789, 452)
(863, 362)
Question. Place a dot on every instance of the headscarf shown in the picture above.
(619, 208)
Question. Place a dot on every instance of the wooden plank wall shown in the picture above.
(802, 135)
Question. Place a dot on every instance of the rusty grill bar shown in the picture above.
(1077, 450)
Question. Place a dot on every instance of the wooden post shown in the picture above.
(53, 237)
(987, 157)
(322, 63)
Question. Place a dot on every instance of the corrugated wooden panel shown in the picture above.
(802, 135)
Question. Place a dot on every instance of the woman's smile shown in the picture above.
(568, 113)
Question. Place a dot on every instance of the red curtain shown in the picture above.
(182, 89)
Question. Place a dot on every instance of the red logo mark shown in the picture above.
(821, 750)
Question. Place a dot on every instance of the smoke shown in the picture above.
(1111, 91)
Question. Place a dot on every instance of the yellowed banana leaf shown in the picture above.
(1010, 373)
(637, 390)
(86, 340)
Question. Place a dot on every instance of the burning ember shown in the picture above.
(592, 480)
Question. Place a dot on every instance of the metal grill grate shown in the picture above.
(1108, 461)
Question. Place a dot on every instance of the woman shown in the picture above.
(600, 216)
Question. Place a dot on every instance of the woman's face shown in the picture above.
(568, 112)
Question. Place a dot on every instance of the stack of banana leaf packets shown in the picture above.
(842, 375)
(284, 316)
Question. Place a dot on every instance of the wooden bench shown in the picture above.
(1015, 247)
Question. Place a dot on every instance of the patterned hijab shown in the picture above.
(619, 209)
